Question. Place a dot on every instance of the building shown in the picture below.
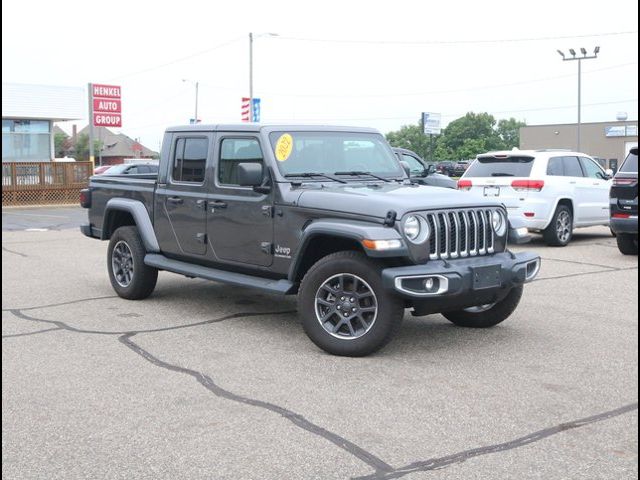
(116, 147)
(28, 114)
(608, 142)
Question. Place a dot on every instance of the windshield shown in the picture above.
(334, 152)
(631, 163)
(491, 166)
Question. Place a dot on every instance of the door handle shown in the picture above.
(201, 204)
(176, 200)
(572, 183)
(218, 204)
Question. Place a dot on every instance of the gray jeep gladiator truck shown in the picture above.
(327, 213)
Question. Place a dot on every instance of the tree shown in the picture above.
(61, 144)
(81, 150)
(411, 138)
(509, 132)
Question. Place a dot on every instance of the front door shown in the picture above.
(240, 223)
(182, 199)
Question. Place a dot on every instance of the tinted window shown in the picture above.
(490, 166)
(190, 159)
(591, 168)
(234, 151)
(416, 167)
(631, 163)
(555, 168)
(572, 167)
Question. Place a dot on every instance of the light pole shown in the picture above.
(579, 59)
(251, 37)
(195, 118)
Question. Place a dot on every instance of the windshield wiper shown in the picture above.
(312, 175)
(499, 174)
(358, 173)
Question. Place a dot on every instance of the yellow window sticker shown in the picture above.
(284, 147)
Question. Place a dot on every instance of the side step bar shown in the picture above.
(161, 262)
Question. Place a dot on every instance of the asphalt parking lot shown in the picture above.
(203, 380)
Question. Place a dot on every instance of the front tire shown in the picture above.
(485, 316)
(560, 230)
(129, 276)
(343, 307)
(627, 243)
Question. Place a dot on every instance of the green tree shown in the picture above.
(81, 150)
(61, 144)
(412, 138)
(509, 132)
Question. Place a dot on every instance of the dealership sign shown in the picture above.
(107, 105)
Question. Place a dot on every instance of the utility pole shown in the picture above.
(579, 59)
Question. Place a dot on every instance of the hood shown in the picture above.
(376, 200)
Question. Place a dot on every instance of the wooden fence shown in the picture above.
(43, 183)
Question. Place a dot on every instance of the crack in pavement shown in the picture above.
(610, 270)
(5, 249)
(460, 457)
(298, 420)
(586, 264)
(26, 334)
(70, 302)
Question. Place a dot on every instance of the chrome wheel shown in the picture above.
(563, 226)
(346, 306)
(122, 264)
(480, 308)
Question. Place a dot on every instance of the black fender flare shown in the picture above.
(140, 216)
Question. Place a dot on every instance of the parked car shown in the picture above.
(624, 205)
(101, 169)
(461, 167)
(446, 168)
(552, 191)
(326, 213)
(423, 172)
(132, 169)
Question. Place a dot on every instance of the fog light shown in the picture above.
(428, 283)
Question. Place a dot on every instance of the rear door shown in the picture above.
(492, 176)
(181, 207)
(594, 191)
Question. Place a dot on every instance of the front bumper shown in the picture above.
(463, 280)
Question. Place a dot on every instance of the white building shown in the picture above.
(28, 113)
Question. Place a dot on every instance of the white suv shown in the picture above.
(553, 191)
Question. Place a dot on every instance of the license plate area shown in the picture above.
(486, 277)
(491, 191)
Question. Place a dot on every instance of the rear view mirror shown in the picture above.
(249, 174)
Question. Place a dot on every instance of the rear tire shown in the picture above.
(344, 308)
(627, 243)
(130, 277)
(488, 315)
(560, 230)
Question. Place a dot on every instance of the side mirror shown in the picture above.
(406, 167)
(249, 174)
(431, 169)
(608, 173)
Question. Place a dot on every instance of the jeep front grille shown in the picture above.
(460, 233)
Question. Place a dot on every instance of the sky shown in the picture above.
(377, 64)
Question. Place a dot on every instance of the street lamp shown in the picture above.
(251, 37)
(195, 118)
(584, 56)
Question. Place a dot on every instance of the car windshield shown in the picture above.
(630, 165)
(334, 152)
(500, 166)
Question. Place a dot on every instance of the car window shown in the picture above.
(190, 159)
(414, 164)
(234, 151)
(500, 166)
(133, 170)
(591, 168)
(630, 165)
(572, 167)
(555, 167)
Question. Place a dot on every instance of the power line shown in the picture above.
(456, 42)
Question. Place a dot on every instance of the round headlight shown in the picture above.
(416, 229)
(499, 222)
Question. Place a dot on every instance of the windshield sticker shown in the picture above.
(284, 146)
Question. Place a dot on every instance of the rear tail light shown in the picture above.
(624, 181)
(465, 184)
(85, 198)
(621, 215)
(526, 185)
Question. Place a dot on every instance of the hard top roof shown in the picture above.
(258, 127)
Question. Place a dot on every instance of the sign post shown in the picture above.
(431, 126)
(105, 110)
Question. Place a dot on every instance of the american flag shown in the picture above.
(245, 111)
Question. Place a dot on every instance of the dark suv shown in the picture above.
(624, 205)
